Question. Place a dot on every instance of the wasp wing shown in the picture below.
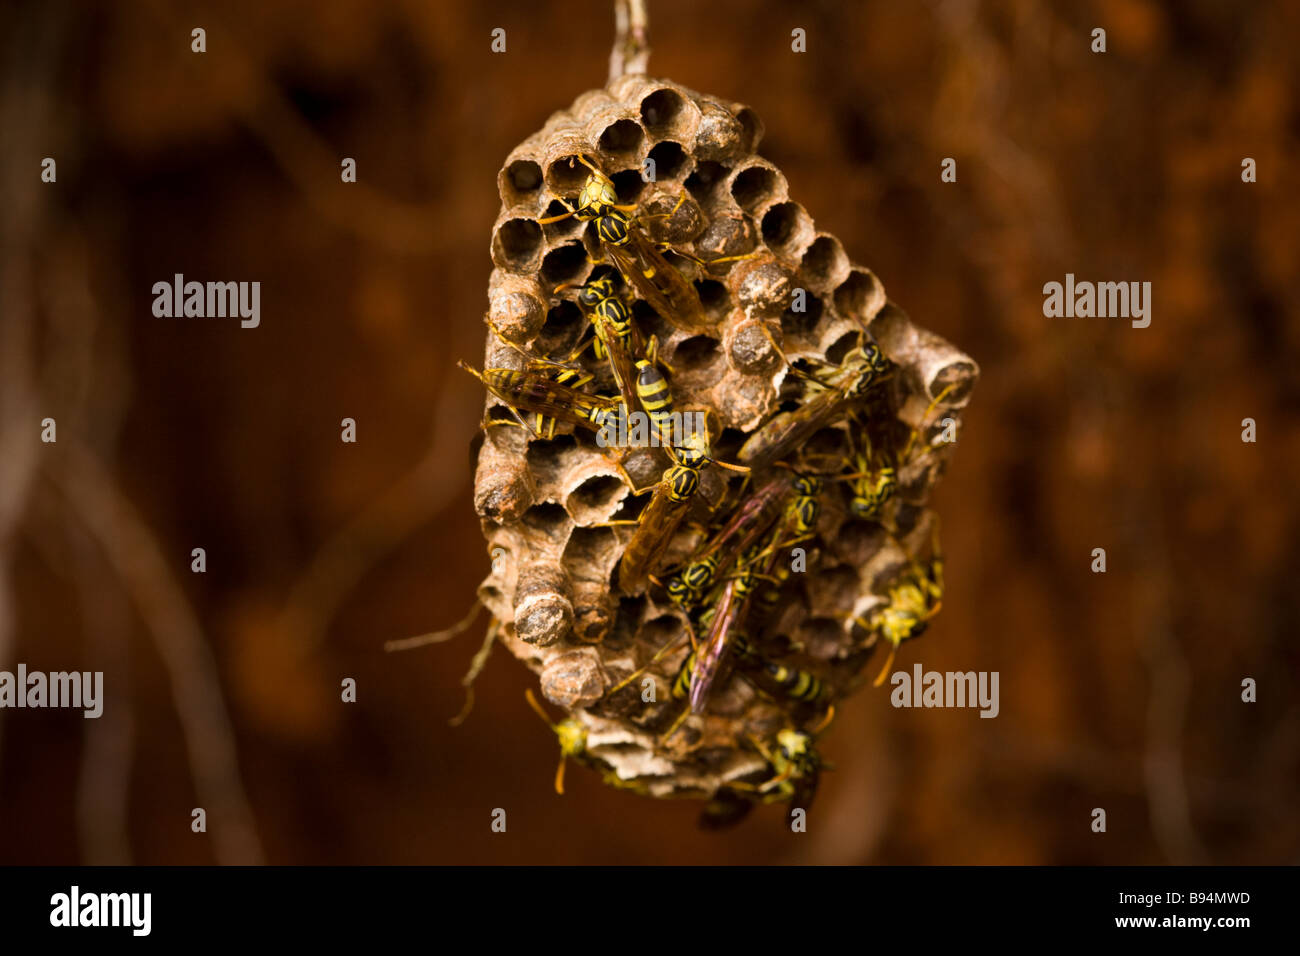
(535, 394)
(655, 529)
(659, 283)
(620, 360)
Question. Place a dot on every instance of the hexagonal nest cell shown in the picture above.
(784, 316)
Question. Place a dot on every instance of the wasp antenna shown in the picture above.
(471, 369)
(776, 781)
(537, 707)
(826, 721)
(889, 662)
(742, 469)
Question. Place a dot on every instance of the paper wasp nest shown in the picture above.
(553, 585)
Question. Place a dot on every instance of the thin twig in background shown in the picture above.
(103, 785)
(19, 432)
(310, 163)
(87, 369)
(414, 499)
(132, 551)
(631, 51)
(1162, 763)
(476, 666)
(436, 637)
(30, 54)
(104, 781)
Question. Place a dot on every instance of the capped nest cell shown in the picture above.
(787, 307)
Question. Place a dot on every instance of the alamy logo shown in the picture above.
(82, 689)
(211, 300)
(950, 689)
(75, 908)
(1123, 300)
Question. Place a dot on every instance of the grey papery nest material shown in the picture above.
(553, 589)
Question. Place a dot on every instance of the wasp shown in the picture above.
(912, 604)
(798, 685)
(806, 507)
(657, 524)
(548, 399)
(801, 519)
(573, 743)
(570, 733)
(634, 254)
(862, 369)
(803, 686)
(796, 762)
(671, 499)
(873, 479)
(874, 473)
(798, 768)
(748, 522)
(688, 587)
(617, 338)
(728, 614)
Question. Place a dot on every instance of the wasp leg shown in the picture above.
(550, 219)
(938, 399)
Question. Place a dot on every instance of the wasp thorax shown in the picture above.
(596, 290)
(597, 198)
(611, 229)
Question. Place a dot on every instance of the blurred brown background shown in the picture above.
(1119, 691)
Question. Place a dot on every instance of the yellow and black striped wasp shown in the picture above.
(672, 494)
(873, 481)
(569, 732)
(913, 602)
(617, 338)
(731, 608)
(533, 391)
(768, 597)
(797, 763)
(668, 505)
(835, 392)
(874, 475)
(656, 398)
(750, 519)
(793, 683)
(635, 254)
(725, 623)
(572, 737)
(796, 766)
